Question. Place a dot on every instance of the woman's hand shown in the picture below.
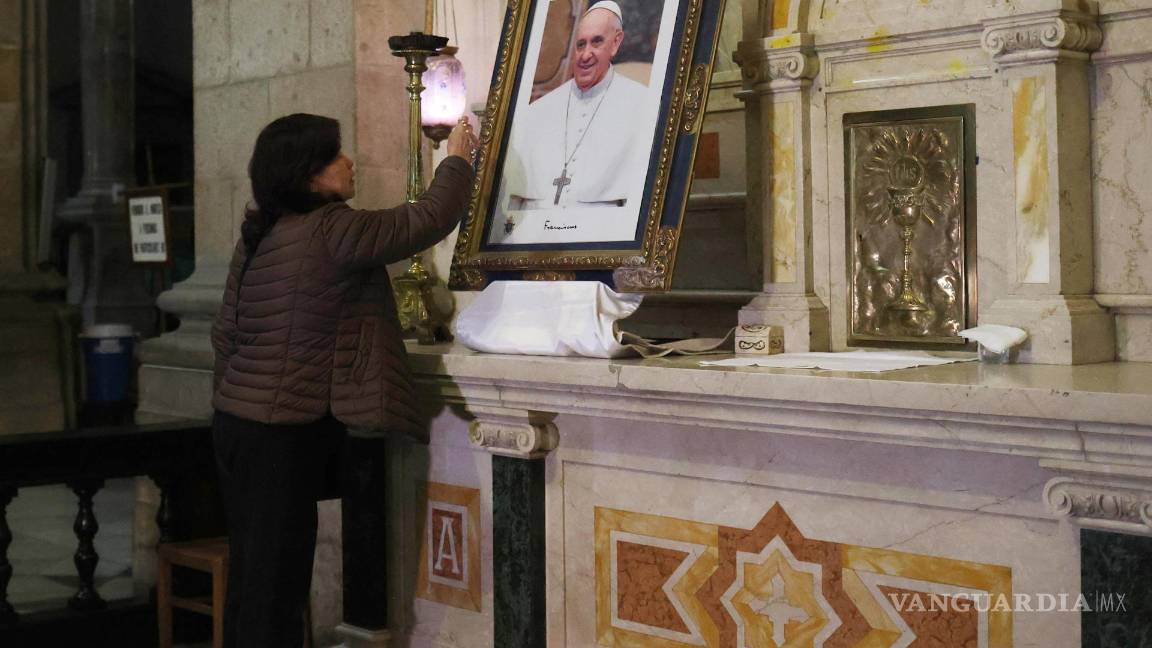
(462, 141)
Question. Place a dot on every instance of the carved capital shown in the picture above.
(781, 63)
(1041, 37)
(1101, 497)
(513, 433)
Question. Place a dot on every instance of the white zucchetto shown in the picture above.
(610, 6)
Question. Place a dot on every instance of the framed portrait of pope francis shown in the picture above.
(588, 142)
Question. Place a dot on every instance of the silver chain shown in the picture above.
(568, 112)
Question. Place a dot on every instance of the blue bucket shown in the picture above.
(109, 362)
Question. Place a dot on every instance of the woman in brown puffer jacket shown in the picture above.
(308, 338)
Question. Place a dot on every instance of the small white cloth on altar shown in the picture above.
(995, 337)
(860, 361)
(553, 318)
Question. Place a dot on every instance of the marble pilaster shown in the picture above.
(518, 440)
(778, 73)
(1042, 58)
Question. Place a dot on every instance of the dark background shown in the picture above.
(163, 118)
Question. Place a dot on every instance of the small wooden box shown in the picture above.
(759, 339)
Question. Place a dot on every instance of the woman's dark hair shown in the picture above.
(289, 152)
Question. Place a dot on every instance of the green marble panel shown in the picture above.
(1113, 564)
(519, 606)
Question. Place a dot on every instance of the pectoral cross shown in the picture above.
(563, 181)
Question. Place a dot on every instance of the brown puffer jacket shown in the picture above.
(316, 328)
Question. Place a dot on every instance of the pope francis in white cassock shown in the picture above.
(579, 145)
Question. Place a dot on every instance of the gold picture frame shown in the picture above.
(643, 262)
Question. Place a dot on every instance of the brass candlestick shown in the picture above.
(414, 298)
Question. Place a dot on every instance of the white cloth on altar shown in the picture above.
(555, 318)
(607, 167)
(995, 337)
(861, 361)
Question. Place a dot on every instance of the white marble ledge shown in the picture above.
(1138, 304)
(1095, 413)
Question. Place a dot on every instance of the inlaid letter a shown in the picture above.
(447, 537)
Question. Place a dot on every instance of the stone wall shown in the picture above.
(11, 138)
(252, 62)
(1122, 173)
(255, 61)
(36, 334)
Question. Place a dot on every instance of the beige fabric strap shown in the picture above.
(692, 346)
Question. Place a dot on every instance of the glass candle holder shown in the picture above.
(445, 96)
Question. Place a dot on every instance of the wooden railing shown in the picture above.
(83, 459)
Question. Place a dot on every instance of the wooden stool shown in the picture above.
(211, 556)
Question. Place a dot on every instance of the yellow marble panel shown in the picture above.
(782, 144)
(771, 586)
(995, 580)
(878, 41)
(1030, 145)
(780, 12)
(700, 540)
(885, 631)
(779, 42)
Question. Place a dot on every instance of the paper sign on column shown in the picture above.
(149, 236)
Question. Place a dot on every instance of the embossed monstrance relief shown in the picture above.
(911, 225)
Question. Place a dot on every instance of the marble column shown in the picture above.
(519, 440)
(102, 278)
(1110, 506)
(1043, 61)
(778, 73)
